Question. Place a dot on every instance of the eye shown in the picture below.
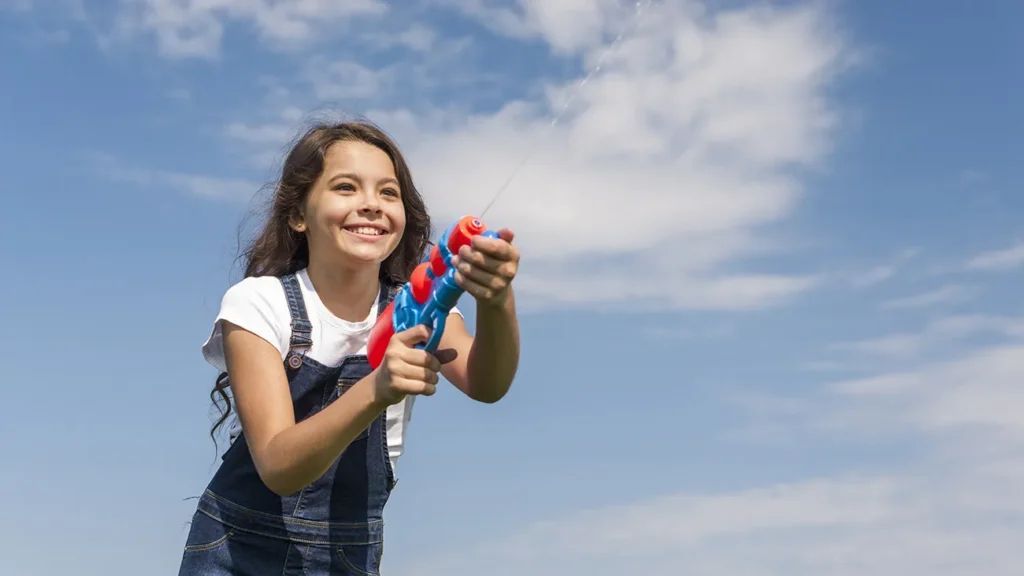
(345, 186)
(390, 192)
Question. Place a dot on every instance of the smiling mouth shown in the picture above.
(365, 230)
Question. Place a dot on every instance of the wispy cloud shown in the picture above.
(893, 345)
(875, 275)
(698, 119)
(942, 295)
(660, 122)
(417, 37)
(999, 260)
(199, 185)
(195, 28)
(949, 509)
(979, 393)
(935, 334)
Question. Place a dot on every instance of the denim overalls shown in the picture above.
(334, 525)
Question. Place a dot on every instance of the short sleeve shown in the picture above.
(254, 304)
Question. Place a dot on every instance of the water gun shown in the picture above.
(429, 295)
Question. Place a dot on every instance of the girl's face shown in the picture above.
(354, 212)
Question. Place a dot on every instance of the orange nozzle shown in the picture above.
(420, 283)
(437, 265)
(463, 231)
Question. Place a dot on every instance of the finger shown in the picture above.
(476, 264)
(482, 277)
(506, 234)
(447, 355)
(413, 386)
(468, 256)
(410, 373)
(476, 290)
(420, 358)
(418, 334)
(496, 247)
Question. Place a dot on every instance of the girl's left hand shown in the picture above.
(486, 268)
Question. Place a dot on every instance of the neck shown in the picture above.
(347, 292)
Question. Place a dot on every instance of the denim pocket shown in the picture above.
(361, 559)
(206, 534)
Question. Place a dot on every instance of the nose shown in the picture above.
(371, 204)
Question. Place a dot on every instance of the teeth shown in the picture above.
(368, 230)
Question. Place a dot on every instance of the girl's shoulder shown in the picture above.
(257, 304)
(256, 291)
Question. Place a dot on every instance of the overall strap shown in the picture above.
(387, 294)
(302, 329)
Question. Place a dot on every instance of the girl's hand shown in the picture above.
(486, 268)
(406, 370)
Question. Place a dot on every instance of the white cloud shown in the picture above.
(950, 525)
(941, 295)
(951, 508)
(998, 260)
(980, 392)
(661, 179)
(567, 26)
(416, 37)
(893, 345)
(875, 275)
(679, 150)
(348, 80)
(939, 332)
(262, 134)
(195, 28)
(209, 187)
(968, 401)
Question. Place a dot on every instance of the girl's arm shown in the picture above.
(289, 456)
(486, 365)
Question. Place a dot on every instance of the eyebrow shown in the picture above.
(350, 176)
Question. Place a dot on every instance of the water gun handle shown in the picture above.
(435, 334)
(429, 295)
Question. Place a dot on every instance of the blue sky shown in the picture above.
(771, 308)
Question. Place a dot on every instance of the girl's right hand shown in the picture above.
(406, 370)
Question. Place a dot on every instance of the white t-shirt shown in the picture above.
(258, 304)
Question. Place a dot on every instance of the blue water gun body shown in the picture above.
(429, 295)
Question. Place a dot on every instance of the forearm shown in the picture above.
(300, 454)
(494, 356)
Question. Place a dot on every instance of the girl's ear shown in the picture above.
(297, 223)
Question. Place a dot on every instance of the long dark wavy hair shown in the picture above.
(278, 250)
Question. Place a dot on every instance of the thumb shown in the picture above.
(418, 334)
(447, 355)
(506, 234)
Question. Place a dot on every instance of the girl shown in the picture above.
(302, 488)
